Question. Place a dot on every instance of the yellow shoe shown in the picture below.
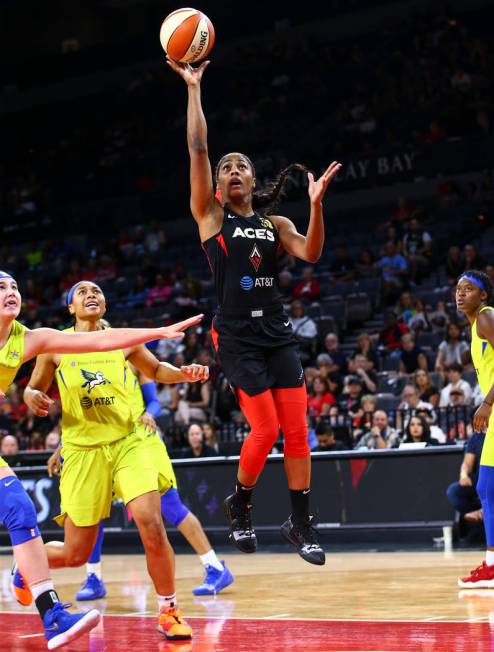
(20, 589)
(172, 624)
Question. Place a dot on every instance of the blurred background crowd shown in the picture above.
(93, 185)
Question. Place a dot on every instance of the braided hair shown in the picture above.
(269, 198)
(483, 278)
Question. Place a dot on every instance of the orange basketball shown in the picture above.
(187, 35)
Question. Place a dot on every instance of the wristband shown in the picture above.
(489, 404)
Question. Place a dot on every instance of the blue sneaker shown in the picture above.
(214, 581)
(62, 627)
(92, 589)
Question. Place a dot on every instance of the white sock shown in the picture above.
(210, 559)
(166, 601)
(38, 587)
(94, 568)
(489, 557)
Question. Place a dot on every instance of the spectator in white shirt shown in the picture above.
(303, 326)
(454, 372)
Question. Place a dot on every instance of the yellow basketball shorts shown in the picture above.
(2, 462)
(92, 476)
(160, 458)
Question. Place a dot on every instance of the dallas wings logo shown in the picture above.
(93, 379)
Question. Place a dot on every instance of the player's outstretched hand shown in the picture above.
(191, 76)
(175, 330)
(53, 463)
(194, 373)
(148, 420)
(37, 401)
(317, 188)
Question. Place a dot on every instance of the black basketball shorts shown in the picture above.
(258, 353)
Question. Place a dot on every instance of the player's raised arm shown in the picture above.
(205, 209)
(49, 340)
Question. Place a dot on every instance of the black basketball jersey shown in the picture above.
(243, 259)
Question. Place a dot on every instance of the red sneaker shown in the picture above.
(481, 577)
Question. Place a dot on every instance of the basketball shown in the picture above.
(187, 35)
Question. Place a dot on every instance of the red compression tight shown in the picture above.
(266, 413)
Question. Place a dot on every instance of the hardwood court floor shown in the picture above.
(358, 601)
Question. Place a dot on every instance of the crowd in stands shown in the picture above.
(408, 379)
(437, 63)
(385, 285)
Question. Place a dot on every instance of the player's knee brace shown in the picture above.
(173, 508)
(17, 511)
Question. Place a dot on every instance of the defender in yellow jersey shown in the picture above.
(102, 452)
(474, 294)
(145, 407)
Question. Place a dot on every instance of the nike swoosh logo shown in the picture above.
(286, 324)
(306, 491)
(7, 484)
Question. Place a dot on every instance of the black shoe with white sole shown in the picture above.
(242, 534)
(304, 538)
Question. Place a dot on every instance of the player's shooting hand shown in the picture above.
(481, 417)
(37, 401)
(53, 463)
(191, 76)
(148, 420)
(194, 373)
(175, 330)
(317, 188)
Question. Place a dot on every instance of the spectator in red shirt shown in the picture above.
(308, 288)
(320, 398)
(390, 335)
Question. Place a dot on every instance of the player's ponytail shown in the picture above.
(482, 280)
(268, 199)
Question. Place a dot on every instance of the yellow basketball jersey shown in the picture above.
(95, 398)
(11, 355)
(483, 358)
(137, 405)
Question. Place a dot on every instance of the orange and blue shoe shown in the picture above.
(172, 624)
(20, 589)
